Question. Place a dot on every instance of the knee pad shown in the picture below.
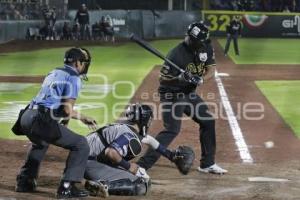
(127, 187)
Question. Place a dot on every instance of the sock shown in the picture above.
(165, 152)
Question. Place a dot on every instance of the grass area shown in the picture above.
(284, 96)
(265, 51)
(127, 62)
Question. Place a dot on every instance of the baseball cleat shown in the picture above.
(213, 169)
(69, 190)
(96, 189)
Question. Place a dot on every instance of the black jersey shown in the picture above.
(82, 16)
(185, 58)
(234, 27)
(49, 16)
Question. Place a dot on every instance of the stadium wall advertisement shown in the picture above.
(255, 24)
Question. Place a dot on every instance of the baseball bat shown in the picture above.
(154, 51)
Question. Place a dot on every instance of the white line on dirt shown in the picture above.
(222, 74)
(266, 179)
(234, 125)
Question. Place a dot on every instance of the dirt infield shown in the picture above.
(281, 161)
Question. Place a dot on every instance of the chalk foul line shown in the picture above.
(234, 125)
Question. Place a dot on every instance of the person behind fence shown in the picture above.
(76, 31)
(83, 18)
(50, 19)
(233, 31)
(66, 32)
(40, 122)
(107, 29)
(96, 31)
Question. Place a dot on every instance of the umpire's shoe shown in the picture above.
(69, 190)
(25, 184)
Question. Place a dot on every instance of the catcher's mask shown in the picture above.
(198, 33)
(141, 115)
(79, 54)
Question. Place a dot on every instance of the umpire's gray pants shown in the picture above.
(97, 171)
(76, 144)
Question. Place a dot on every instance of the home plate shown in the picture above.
(222, 74)
(266, 179)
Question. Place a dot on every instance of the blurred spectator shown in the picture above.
(23, 10)
(66, 32)
(76, 31)
(107, 29)
(83, 18)
(50, 19)
(97, 31)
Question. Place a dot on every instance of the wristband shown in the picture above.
(123, 163)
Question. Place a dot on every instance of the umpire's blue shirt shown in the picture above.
(61, 83)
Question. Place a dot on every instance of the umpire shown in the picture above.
(195, 55)
(40, 123)
(233, 31)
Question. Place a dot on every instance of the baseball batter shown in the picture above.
(196, 56)
(109, 171)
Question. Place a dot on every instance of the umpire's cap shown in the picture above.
(198, 31)
(79, 54)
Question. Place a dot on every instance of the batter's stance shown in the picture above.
(40, 123)
(177, 96)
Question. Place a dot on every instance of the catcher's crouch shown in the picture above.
(109, 171)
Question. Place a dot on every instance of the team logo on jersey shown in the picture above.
(195, 69)
(203, 57)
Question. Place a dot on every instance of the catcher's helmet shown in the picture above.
(141, 115)
(79, 54)
(198, 32)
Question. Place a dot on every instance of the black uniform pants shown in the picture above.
(85, 32)
(173, 109)
(233, 37)
(34, 123)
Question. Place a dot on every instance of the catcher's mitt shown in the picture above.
(183, 158)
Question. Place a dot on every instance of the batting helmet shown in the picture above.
(198, 32)
(79, 54)
(141, 115)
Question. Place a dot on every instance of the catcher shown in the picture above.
(109, 171)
